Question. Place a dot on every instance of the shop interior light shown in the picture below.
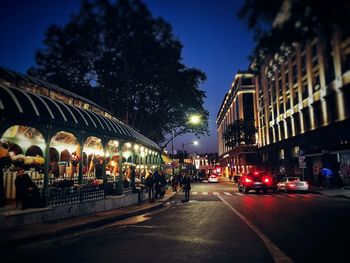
(136, 147)
(128, 144)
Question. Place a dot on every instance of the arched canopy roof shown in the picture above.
(27, 107)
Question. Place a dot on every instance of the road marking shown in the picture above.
(216, 193)
(292, 195)
(194, 193)
(308, 196)
(227, 193)
(240, 194)
(205, 193)
(276, 253)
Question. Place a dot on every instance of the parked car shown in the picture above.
(292, 184)
(213, 178)
(258, 181)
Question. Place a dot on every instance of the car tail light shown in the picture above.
(256, 173)
(291, 185)
(247, 180)
(266, 180)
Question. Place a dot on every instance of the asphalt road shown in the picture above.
(219, 224)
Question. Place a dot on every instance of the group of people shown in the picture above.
(155, 184)
(326, 178)
(184, 181)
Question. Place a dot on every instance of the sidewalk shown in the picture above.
(42, 231)
(333, 192)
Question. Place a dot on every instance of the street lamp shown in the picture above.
(193, 119)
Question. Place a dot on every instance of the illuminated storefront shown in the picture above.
(63, 140)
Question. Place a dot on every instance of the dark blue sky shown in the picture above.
(214, 40)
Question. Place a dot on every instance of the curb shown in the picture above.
(95, 224)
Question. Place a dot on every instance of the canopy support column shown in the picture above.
(47, 164)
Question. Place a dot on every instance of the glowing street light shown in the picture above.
(195, 119)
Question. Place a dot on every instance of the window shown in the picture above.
(281, 154)
(295, 151)
(303, 63)
(247, 81)
(295, 73)
(295, 95)
(248, 106)
(306, 118)
(316, 81)
(305, 89)
(297, 123)
(314, 51)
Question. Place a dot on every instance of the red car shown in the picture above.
(258, 181)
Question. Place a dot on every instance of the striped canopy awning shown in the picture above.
(24, 106)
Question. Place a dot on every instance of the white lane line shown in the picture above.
(292, 195)
(276, 253)
(216, 193)
(227, 193)
(194, 193)
(239, 194)
(205, 193)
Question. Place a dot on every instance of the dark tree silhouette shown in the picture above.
(118, 55)
(277, 24)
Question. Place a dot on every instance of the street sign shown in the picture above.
(302, 163)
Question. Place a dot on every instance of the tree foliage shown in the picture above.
(277, 24)
(239, 132)
(118, 55)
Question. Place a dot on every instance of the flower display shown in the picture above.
(22, 160)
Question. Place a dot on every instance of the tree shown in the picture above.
(239, 132)
(278, 24)
(119, 56)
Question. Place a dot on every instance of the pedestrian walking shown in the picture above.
(320, 179)
(174, 183)
(186, 186)
(341, 179)
(157, 184)
(150, 186)
(162, 184)
(27, 193)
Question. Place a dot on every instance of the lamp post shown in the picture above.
(183, 149)
(193, 119)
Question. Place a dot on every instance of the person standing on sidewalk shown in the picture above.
(186, 186)
(320, 179)
(5, 162)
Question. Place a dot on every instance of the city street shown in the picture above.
(219, 224)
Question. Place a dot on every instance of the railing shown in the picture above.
(63, 191)
(71, 195)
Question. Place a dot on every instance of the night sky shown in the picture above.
(214, 40)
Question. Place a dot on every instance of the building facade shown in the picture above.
(304, 108)
(239, 103)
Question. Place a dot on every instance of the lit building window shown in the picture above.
(281, 154)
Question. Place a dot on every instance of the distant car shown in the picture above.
(213, 178)
(292, 184)
(258, 181)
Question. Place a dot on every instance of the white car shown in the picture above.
(292, 184)
(213, 179)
